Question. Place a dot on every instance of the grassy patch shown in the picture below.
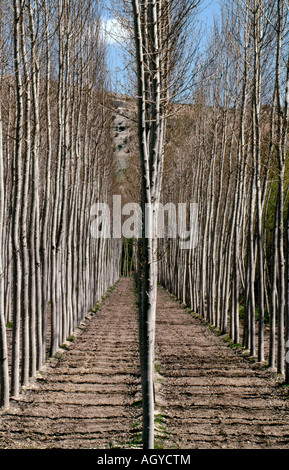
(212, 328)
(227, 338)
(135, 425)
(188, 309)
(160, 431)
(159, 443)
(159, 419)
(58, 355)
(236, 346)
(95, 308)
(137, 404)
(136, 439)
(158, 368)
(111, 289)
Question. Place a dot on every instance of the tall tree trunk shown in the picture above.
(16, 214)
(4, 372)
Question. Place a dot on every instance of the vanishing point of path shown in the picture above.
(208, 396)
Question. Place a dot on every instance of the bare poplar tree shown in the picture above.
(158, 29)
(4, 372)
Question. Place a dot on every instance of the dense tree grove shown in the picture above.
(208, 131)
(228, 153)
(55, 163)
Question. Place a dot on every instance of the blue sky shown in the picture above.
(208, 10)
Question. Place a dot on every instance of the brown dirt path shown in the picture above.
(84, 399)
(211, 395)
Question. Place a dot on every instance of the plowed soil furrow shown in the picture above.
(84, 399)
(210, 396)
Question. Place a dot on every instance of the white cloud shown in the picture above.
(113, 31)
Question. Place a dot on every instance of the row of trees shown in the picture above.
(56, 161)
(229, 155)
